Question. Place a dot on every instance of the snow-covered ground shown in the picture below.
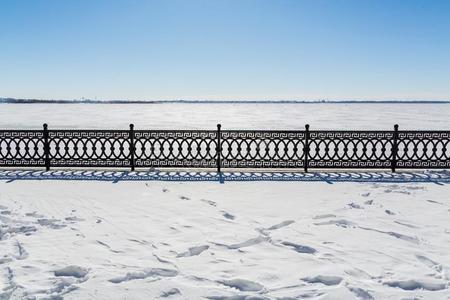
(290, 240)
(238, 240)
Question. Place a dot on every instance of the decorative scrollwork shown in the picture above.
(263, 149)
(423, 149)
(226, 149)
(350, 149)
(89, 148)
(180, 148)
(23, 148)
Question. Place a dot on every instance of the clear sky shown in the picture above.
(211, 49)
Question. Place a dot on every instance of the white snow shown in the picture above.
(238, 240)
(287, 239)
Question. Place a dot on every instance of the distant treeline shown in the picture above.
(90, 101)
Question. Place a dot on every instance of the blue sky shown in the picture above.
(211, 49)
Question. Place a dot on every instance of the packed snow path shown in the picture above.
(239, 240)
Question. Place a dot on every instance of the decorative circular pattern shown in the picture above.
(22, 148)
(263, 149)
(238, 148)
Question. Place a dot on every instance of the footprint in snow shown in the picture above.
(243, 297)
(108, 247)
(397, 191)
(248, 243)
(313, 294)
(228, 216)
(436, 202)
(212, 203)
(280, 225)
(410, 285)
(21, 252)
(61, 287)
(153, 272)
(73, 271)
(184, 198)
(325, 216)
(360, 293)
(300, 248)
(73, 219)
(142, 242)
(324, 279)
(397, 235)
(354, 205)
(405, 224)
(171, 292)
(243, 285)
(193, 251)
(340, 223)
(9, 231)
(51, 223)
(34, 215)
(389, 212)
(429, 263)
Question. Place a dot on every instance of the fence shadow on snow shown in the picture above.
(437, 177)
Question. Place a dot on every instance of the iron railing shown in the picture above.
(275, 149)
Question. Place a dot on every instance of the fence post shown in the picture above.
(46, 148)
(394, 148)
(132, 148)
(219, 153)
(306, 149)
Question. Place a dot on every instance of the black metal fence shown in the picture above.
(321, 149)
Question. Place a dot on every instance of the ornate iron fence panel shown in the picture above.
(177, 148)
(350, 149)
(262, 149)
(423, 149)
(89, 148)
(22, 148)
(225, 149)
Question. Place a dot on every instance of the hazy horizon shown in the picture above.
(11, 100)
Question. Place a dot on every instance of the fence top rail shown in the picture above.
(20, 130)
(88, 130)
(52, 130)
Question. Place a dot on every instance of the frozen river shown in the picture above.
(231, 116)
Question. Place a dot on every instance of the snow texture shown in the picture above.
(324, 239)
(299, 240)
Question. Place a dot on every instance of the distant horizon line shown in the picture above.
(208, 101)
